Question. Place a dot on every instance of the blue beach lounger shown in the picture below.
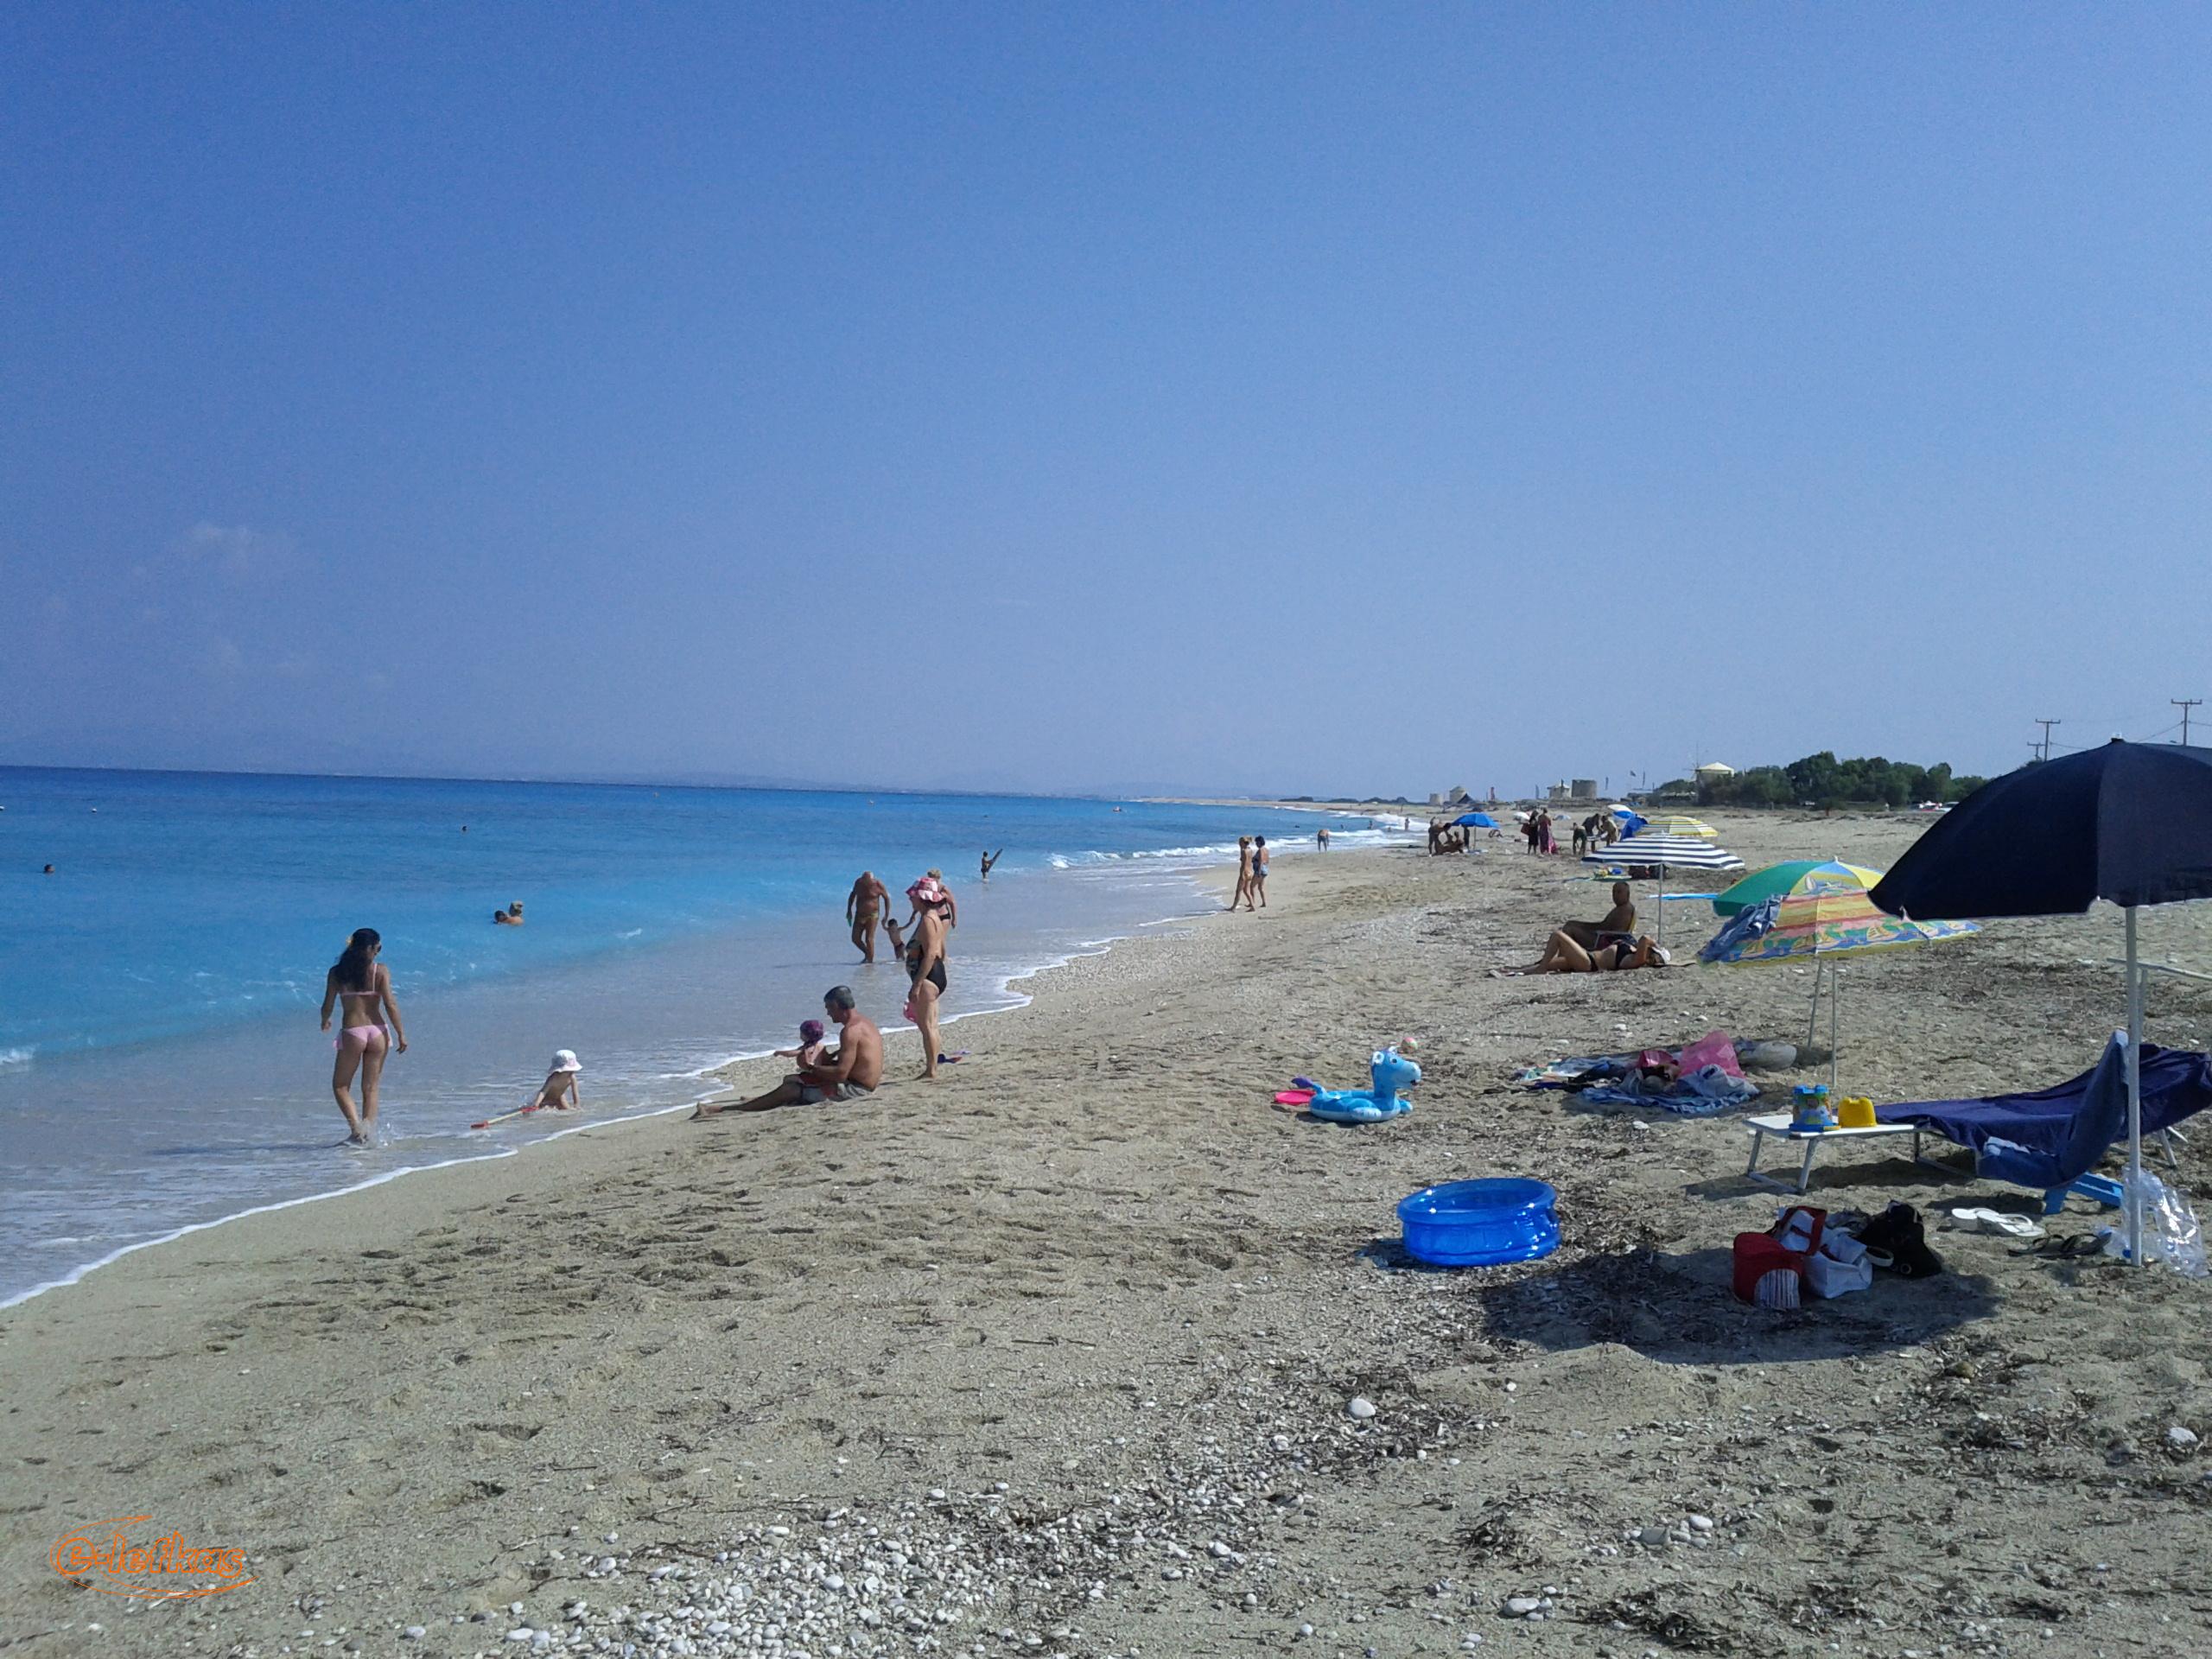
(2053, 1137)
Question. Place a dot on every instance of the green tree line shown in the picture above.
(1824, 781)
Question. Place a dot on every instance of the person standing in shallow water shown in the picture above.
(364, 985)
(865, 907)
(1256, 890)
(1243, 872)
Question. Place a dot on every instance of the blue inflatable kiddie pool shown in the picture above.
(1480, 1224)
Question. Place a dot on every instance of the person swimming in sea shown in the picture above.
(990, 859)
(511, 917)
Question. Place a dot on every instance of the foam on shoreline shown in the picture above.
(714, 1072)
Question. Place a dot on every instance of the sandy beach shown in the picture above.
(1056, 1355)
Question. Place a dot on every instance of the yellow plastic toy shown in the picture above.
(1855, 1112)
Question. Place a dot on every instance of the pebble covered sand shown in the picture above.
(1087, 1349)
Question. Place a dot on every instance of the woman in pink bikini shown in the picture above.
(364, 984)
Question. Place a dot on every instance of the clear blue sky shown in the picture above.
(1266, 397)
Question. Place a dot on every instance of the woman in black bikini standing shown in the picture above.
(365, 985)
(925, 965)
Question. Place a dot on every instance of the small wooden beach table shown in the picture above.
(1778, 1124)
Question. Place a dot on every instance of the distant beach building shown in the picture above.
(1714, 770)
(1435, 799)
(1585, 791)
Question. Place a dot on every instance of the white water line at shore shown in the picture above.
(1021, 1000)
(75, 1273)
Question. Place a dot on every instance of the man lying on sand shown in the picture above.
(1620, 923)
(853, 1073)
(1564, 955)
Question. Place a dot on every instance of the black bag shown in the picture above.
(1898, 1243)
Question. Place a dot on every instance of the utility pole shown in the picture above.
(2184, 704)
(2043, 753)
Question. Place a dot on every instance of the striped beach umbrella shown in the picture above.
(1678, 823)
(1663, 853)
(1816, 926)
(1798, 875)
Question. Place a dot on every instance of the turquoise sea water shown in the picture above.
(160, 1061)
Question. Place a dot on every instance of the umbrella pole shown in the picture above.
(1663, 904)
(2134, 1097)
(1835, 996)
(1813, 1026)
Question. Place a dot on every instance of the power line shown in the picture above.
(2044, 753)
(2185, 704)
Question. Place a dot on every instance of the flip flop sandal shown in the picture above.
(2061, 1249)
(1997, 1221)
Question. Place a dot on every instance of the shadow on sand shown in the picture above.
(1679, 1308)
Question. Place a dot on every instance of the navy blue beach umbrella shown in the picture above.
(2127, 823)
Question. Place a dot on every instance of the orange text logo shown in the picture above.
(107, 1558)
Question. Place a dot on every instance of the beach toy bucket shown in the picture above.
(1855, 1112)
(1812, 1112)
(1480, 1224)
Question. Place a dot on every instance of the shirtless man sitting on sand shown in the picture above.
(1620, 923)
(864, 908)
(851, 1074)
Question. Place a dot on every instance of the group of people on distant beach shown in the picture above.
(1452, 837)
(1252, 872)
(1600, 829)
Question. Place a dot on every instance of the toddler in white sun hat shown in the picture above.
(558, 1091)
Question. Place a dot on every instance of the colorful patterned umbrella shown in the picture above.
(1822, 923)
(1799, 875)
(1814, 926)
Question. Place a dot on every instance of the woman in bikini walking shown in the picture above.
(364, 984)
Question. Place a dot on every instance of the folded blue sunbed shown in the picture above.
(2051, 1137)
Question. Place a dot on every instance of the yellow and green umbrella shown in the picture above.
(1799, 875)
(1676, 823)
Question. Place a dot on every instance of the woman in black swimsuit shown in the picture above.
(925, 966)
